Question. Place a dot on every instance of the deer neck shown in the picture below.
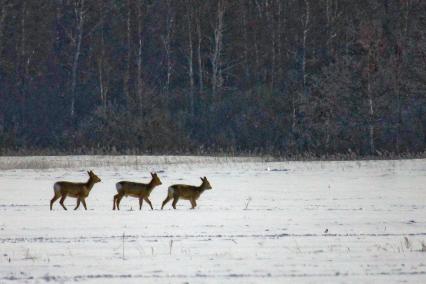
(201, 188)
(151, 185)
(90, 183)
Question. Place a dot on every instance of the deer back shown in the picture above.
(133, 188)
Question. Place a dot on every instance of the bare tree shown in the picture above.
(5, 5)
(101, 58)
(199, 56)
(305, 21)
(270, 16)
(217, 79)
(139, 75)
(244, 28)
(399, 61)
(128, 74)
(371, 120)
(167, 40)
(332, 13)
(23, 62)
(190, 55)
(370, 38)
(79, 14)
(3, 15)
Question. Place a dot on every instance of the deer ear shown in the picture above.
(205, 178)
(88, 172)
(201, 178)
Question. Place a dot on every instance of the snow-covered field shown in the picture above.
(264, 221)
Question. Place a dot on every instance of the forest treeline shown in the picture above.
(283, 77)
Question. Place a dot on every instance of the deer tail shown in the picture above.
(119, 187)
(170, 191)
(57, 189)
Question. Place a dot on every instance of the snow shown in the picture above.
(263, 221)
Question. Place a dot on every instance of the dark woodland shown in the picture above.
(281, 77)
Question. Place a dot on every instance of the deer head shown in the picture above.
(206, 183)
(94, 177)
(155, 179)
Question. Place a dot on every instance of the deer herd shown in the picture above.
(81, 190)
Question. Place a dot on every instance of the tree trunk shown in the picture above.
(305, 37)
(279, 40)
(101, 63)
(271, 20)
(127, 74)
(217, 52)
(400, 64)
(293, 113)
(370, 105)
(245, 40)
(3, 13)
(139, 90)
(167, 46)
(190, 58)
(79, 22)
(22, 65)
(399, 115)
(200, 60)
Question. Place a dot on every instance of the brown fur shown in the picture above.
(79, 190)
(137, 190)
(187, 192)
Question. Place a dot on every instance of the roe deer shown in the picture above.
(79, 190)
(134, 189)
(188, 192)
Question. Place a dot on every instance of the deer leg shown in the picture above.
(84, 203)
(56, 197)
(168, 198)
(78, 203)
(175, 200)
(193, 203)
(115, 201)
(62, 201)
(140, 203)
(119, 197)
(149, 202)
